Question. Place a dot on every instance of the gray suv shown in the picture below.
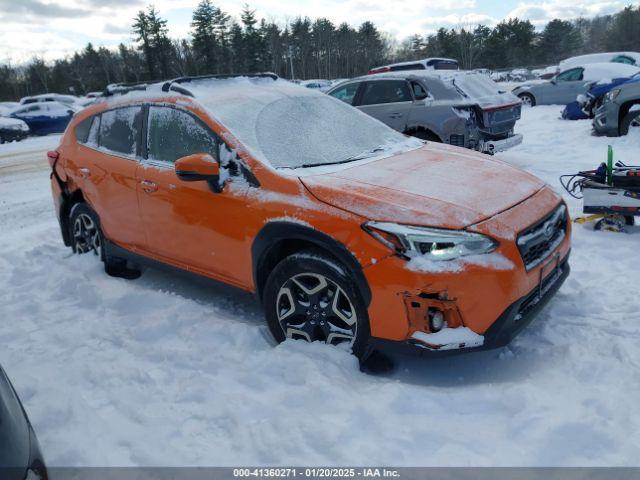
(464, 109)
(620, 110)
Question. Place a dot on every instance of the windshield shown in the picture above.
(310, 131)
(288, 126)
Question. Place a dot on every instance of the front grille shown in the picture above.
(537, 242)
(539, 293)
(457, 140)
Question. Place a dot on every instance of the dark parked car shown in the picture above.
(464, 109)
(620, 110)
(20, 456)
(44, 117)
(12, 129)
(585, 106)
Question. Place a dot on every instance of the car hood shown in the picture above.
(436, 185)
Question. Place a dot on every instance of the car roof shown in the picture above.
(412, 74)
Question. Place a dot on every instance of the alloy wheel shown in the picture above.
(526, 100)
(315, 308)
(86, 236)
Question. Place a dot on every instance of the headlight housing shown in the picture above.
(432, 243)
(611, 95)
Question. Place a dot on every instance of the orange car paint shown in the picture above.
(150, 211)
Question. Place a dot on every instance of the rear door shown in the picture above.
(186, 222)
(110, 159)
(389, 101)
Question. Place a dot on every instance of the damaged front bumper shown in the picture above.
(461, 339)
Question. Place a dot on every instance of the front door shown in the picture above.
(566, 87)
(186, 222)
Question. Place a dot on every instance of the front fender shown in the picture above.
(269, 241)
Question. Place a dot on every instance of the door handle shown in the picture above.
(149, 186)
(84, 172)
(395, 115)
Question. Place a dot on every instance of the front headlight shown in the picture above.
(433, 243)
(611, 95)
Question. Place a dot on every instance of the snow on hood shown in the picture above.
(436, 185)
(13, 123)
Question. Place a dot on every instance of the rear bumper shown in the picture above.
(512, 321)
(494, 146)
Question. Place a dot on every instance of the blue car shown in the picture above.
(585, 106)
(44, 117)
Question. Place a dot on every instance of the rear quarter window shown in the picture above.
(82, 130)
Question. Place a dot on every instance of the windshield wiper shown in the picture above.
(353, 158)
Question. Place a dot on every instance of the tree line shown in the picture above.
(304, 48)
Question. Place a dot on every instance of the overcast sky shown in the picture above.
(55, 28)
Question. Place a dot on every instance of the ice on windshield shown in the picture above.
(289, 126)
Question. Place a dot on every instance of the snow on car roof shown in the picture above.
(581, 60)
(598, 71)
(286, 125)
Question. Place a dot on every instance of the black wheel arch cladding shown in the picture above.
(274, 241)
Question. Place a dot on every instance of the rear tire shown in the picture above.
(87, 237)
(630, 120)
(309, 296)
(527, 99)
(426, 135)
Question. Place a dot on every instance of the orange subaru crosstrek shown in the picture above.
(346, 230)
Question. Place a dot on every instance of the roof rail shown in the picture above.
(122, 88)
(170, 85)
(223, 76)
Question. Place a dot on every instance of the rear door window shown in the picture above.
(386, 91)
(174, 133)
(346, 93)
(120, 130)
(411, 66)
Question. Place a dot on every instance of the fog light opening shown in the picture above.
(436, 320)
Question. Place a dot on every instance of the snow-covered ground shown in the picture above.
(170, 371)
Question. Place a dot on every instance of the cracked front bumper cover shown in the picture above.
(512, 321)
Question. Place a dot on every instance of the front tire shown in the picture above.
(630, 120)
(309, 296)
(527, 99)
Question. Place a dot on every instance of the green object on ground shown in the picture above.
(610, 165)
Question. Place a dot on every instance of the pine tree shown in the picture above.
(205, 44)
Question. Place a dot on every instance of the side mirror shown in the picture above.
(553, 81)
(198, 167)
